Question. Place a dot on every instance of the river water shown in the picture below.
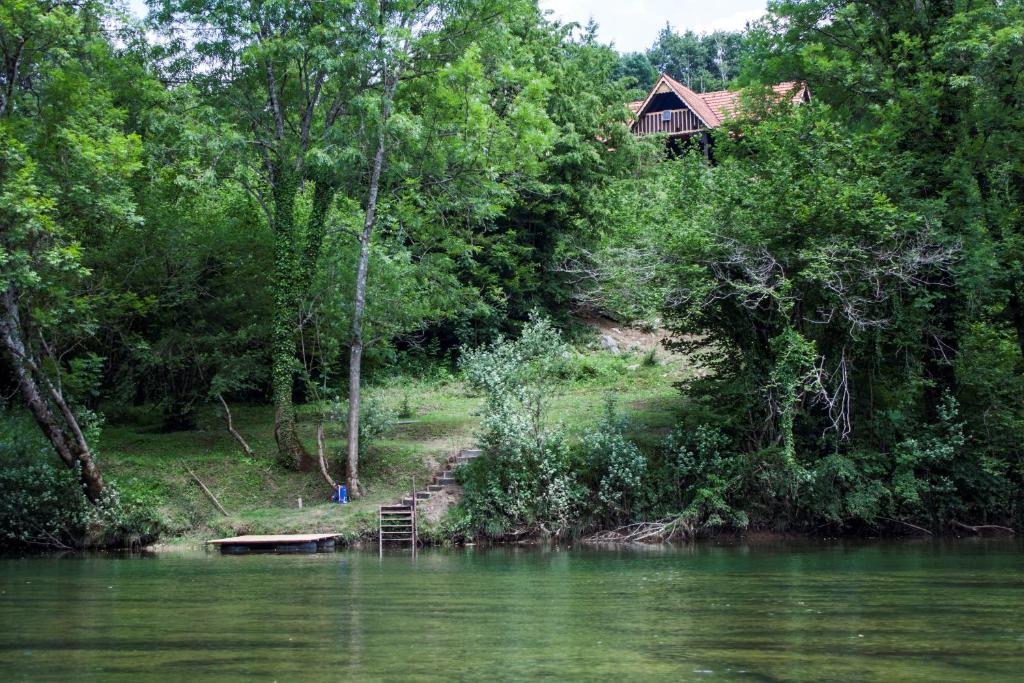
(929, 611)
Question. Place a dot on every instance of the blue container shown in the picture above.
(340, 495)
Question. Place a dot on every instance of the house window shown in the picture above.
(666, 115)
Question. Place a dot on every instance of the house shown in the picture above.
(673, 109)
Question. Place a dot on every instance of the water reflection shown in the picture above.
(933, 611)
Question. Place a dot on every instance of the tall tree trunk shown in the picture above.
(355, 365)
(72, 447)
(316, 226)
(285, 187)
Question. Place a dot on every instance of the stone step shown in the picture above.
(407, 500)
(445, 482)
(393, 506)
(435, 488)
(471, 452)
(423, 495)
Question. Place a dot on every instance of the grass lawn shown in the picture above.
(262, 497)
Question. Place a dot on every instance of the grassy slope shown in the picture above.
(262, 497)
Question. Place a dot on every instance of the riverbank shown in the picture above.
(437, 418)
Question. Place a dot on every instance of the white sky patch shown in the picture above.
(632, 25)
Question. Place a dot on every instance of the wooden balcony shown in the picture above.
(671, 121)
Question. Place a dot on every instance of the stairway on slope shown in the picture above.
(398, 520)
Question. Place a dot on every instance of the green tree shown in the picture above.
(437, 107)
(64, 174)
(283, 74)
(938, 81)
(702, 62)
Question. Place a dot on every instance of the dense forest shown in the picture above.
(285, 203)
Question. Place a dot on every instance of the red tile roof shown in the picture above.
(725, 102)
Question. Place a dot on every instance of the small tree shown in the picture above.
(525, 480)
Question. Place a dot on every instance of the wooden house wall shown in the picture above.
(680, 121)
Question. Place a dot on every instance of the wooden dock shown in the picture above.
(276, 543)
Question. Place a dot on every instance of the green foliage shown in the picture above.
(615, 466)
(43, 505)
(707, 478)
(375, 419)
(525, 480)
(702, 62)
(180, 219)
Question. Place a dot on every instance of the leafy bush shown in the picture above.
(43, 504)
(708, 478)
(615, 465)
(375, 419)
(935, 479)
(525, 482)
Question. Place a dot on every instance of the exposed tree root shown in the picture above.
(290, 448)
(659, 531)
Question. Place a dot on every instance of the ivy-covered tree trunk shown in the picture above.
(286, 306)
(295, 257)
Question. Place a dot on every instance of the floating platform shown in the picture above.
(277, 543)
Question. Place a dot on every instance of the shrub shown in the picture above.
(43, 504)
(375, 420)
(615, 465)
(525, 482)
(708, 478)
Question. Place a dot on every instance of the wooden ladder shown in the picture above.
(397, 524)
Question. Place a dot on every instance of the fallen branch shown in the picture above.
(232, 430)
(320, 448)
(983, 527)
(207, 492)
(908, 524)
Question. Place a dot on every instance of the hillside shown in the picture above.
(262, 497)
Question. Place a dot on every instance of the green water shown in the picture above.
(885, 612)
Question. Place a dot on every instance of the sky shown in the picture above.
(632, 25)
